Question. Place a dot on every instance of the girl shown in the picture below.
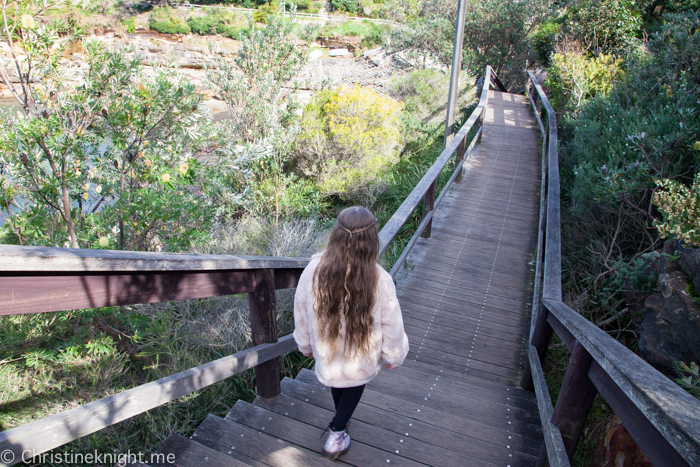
(347, 316)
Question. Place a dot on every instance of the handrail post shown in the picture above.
(428, 205)
(459, 157)
(575, 399)
(263, 325)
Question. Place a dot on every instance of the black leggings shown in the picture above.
(346, 400)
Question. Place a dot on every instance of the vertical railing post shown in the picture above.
(428, 205)
(459, 157)
(575, 399)
(263, 325)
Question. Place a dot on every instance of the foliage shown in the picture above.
(544, 39)
(268, 9)
(349, 136)
(642, 132)
(680, 207)
(216, 21)
(256, 86)
(372, 34)
(93, 154)
(429, 34)
(351, 6)
(130, 24)
(574, 78)
(603, 26)
(495, 34)
(689, 378)
(164, 19)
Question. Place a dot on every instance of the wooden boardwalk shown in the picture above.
(465, 298)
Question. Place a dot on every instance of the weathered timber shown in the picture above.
(655, 446)
(555, 450)
(443, 434)
(575, 399)
(367, 433)
(226, 435)
(24, 294)
(56, 430)
(671, 410)
(263, 326)
(309, 437)
(552, 255)
(35, 260)
(178, 451)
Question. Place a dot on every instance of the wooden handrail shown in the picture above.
(56, 430)
(663, 419)
(456, 146)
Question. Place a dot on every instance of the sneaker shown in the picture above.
(337, 443)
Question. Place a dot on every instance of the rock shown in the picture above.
(617, 448)
(315, 54)
(78, 57)
(690, 262)
(670, 331)
(338, 52)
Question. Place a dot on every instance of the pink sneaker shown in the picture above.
(337, 443)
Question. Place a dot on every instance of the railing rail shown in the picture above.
(662, 418)
(40, 279)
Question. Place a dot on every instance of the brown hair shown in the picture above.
(345, 281)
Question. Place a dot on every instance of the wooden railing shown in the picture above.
(40, 280)
(662, 418)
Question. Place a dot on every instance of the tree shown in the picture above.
(256, 86)
(94, 152)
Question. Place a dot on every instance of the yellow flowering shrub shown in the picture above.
(349, 137)
(680, 206)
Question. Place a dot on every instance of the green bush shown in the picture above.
(130, 24)
(544, 40)
(216, 21)
(268, 9)
(163, 20)
(351, 6)
(348, 138)
(575, 78)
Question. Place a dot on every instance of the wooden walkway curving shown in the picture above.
(465, 300)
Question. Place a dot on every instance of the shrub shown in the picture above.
(575, 78)
(268, 9)
(608, 26)
(216, 21)
(349, 136)
(680, 206)
(351, 6)
(130, 24)
(163, 20)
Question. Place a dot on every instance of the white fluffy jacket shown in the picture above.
(388, 341)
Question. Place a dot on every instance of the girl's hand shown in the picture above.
(389, 367)
(309, 354)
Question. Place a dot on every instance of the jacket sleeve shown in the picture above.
(301, 318)
(394, 339)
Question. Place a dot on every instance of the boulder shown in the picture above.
(690, 262)
(670, 330)
(338, 52)
(617, 448)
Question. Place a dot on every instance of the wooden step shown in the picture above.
(447, 431)
(229, 436)
(310, 437)
(408, 447)
(467, 425)
(179, 451)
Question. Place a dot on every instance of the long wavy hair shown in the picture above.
(345, 281)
